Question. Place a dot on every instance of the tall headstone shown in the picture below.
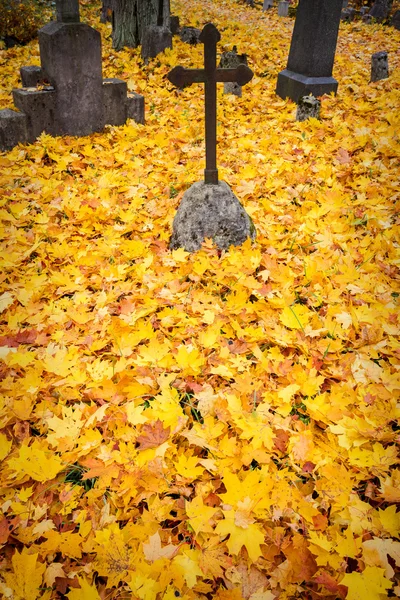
(73, 98)
(209, 209)
(312, 50)
(267, 4)
(70, 55)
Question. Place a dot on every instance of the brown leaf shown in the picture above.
(153, 435)
(331, 584)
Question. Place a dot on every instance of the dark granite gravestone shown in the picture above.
(312, 50)
(209, 209)
(73, 98)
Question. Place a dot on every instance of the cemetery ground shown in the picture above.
(216, 424)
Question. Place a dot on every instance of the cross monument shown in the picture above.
(210, 75)
(209, 208)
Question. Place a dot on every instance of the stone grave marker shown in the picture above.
(283, 8)
(231, 60)
(267, 4)
(209, 209)
(379, 66)
(73, 98)
(157, 38)
(312, 50)
(308, 107)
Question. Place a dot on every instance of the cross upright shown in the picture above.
(67, 11)
(210, 75)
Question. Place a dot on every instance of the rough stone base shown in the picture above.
(155, 39)
(39, 107)
(295, 86)
(12, 128)
(308, 107)
(210, 211)
(379, 66)
(114, 96)
(135, 107)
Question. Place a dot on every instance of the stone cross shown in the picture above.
(67, 11)
(210, 75)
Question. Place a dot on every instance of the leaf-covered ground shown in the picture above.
(208, 425)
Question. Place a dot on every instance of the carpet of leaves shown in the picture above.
(213, 425)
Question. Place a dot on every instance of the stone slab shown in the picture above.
(210, 211)
(294, 86)
(12, 128)
(39, 108)
(114, 94)
(135, 107)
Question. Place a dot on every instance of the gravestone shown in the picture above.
(209, 209)
(312, 50)
(283, 8)
(174, 24)
(190, 35)
(231, 60)
(72, 98)
(396, 20)
(308, 107)
(379, 10)
(379, 66)
(267, 4)
(156, 38)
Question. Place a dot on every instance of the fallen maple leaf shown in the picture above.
(153, 435)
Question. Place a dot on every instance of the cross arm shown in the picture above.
(180, 76)
(241, 75)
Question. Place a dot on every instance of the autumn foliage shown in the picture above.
(213, 425)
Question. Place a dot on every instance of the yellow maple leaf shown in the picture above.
(85, 591)
(199, 515)
(154, 551)
(189, 359)
(39, 464)
(26, 579)
(371, 584)
(251, 537)
(295, 317)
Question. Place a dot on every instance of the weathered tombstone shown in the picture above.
(283, 8)
(190, 35)
(312, 50)
(174, 24)
(78, 101)
(379, 10)
(396, 20)
(231, 60)
(308, 107)
(267, 4)
(156, 38)
(209, 209)
(348, 15)
(379, 66)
